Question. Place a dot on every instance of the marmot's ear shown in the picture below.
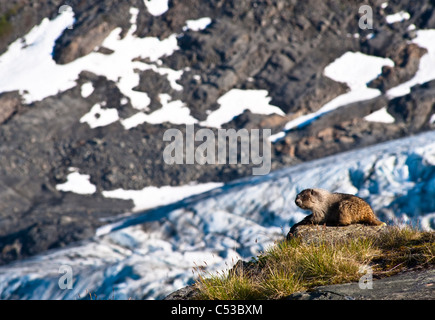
(313, 192)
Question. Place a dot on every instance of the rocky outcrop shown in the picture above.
(10, 103)
(411, 285)
(315, 233)
(345, 128)
(406, 62)
(93, 23)
(245, 47)
(186, 293)
(414, 111)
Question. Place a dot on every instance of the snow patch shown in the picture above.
(28, 59)
(21, 66)
(356, 69)
(98, 117)
(236, 101)
(197, 25)
(397, 17)
(156, 7)
(172, 75)
(151, 197)
(77, 183)
(87, 89)
(174, 112)
(380, 115)
(411, 27)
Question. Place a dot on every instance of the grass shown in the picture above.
(291, 266)
(5, 25)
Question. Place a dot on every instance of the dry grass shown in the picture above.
(291, 266)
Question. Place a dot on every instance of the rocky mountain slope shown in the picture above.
(86, 95)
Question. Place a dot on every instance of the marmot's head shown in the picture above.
(311, 198)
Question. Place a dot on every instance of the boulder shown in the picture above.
(185, 293)
(315, 233)
(10, 103)
(406, 62)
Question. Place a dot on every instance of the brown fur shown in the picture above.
(336, 209)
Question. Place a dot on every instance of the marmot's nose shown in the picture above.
(298, 201)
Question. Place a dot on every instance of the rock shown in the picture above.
(406, 62)
(345, 128)
(233, 51)
(83, 44)
(10, 103)
(249, 120)
(410, 285)
(415, 109)
(186, 293)
(94, 22)
(154, 84)
(315, 233)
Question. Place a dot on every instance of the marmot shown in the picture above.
(336, 209)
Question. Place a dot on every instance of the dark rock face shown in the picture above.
(406, 60)
(262, 46)
(412, 285)
(277, 45)
(345, 128)
(186, 293)
(415, 109)
(10, 103)
(94, 22)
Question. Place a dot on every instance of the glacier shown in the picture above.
(151, 253)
